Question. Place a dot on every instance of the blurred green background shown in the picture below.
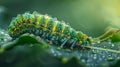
(89, 16)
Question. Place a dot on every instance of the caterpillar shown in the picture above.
(51, 30)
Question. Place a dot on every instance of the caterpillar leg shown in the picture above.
(52, 39)
(44, 35)
(65, 40)
(37, 32)
(55, 39)
(73, 43)
(48, 36)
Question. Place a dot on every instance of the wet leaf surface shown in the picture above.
(35, 52)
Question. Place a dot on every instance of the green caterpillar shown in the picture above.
(51, 30)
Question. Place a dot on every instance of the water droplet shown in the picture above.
(83, 60)
(113, 45)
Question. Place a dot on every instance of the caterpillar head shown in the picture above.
(11, 29)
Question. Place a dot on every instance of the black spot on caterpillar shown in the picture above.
(50, 29)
